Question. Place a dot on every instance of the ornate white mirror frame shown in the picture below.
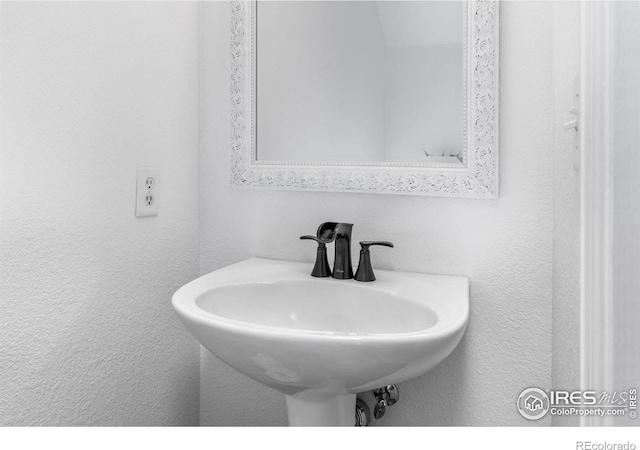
(476, 175)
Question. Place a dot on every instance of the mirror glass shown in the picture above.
(347, 82)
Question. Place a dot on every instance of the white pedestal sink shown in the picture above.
(320, 341)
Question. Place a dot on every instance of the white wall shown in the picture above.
(89, 91)
(504, 246)
(566, 203)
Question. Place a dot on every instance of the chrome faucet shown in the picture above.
(327, 233)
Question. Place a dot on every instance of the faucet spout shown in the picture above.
(342, 267)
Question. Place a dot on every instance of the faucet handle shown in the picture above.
(321, 268)
(365, 271)
(320, 241)
(366, 244)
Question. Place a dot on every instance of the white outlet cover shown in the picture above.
(147, 198)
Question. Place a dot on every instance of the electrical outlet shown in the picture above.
(147, 192)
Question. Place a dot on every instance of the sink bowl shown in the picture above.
(320, 341)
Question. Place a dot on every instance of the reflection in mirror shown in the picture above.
(360, 81)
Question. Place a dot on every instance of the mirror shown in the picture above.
(359, 81)
(365, 96)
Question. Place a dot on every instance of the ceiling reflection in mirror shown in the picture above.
(360, 81)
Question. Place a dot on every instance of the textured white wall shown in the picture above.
(566, 204)
(503, 246)
(89, 91)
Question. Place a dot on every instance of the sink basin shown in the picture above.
(320, 341)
